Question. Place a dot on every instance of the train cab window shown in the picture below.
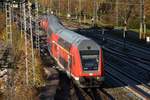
(90, 60)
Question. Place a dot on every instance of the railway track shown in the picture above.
(93, 94)
(135, 71)
(138, 89)
(131, 50)
(129, 56)
(129, 60)
(131, 76)
(104, 94)
(135, 74)
(120, 40)
(48, 91)
(133, 61)
(82, 95)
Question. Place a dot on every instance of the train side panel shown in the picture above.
(101, 64)
(76, 63)
(71, 60)
(54, 39)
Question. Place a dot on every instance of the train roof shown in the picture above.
(54, 24)
(72, 37)
(82, 42)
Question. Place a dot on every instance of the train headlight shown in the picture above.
(68, 15)
(52, 12)
(90, 74)
(98, 78)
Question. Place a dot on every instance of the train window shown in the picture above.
(63, 62)
(89, 52)
(64, 44)
(90, 60)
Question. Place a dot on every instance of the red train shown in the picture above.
(80, 57)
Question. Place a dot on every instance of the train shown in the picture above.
(78, 56)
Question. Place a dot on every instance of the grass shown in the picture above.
(22, 91)
(2, 26)
(99, 24)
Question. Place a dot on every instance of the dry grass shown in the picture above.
(119, 93)
(2, 26)
(21, 90)
(2, 37)
(39, 80)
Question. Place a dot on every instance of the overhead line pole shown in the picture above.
(68, 14)
(8, 22)
(117, 13)
(37, 24)
(142, 20)
(79, 11)
(9, 81)
(94, 13)
(51, 6)
(25, 37)
(21, 22)
(59, 9)
(31, 43)
(29, 50)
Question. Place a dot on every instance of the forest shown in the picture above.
(112, 12)
(108, 12)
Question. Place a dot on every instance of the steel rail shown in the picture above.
(130, 56)
(126, 58)
(82, 93)
(136, 90)
(120, 41)
(125, 73)
(131, 46)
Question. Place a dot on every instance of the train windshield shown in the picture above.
(90, 60)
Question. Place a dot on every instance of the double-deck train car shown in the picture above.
(80, 57)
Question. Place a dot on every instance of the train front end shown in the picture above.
(92, 67)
